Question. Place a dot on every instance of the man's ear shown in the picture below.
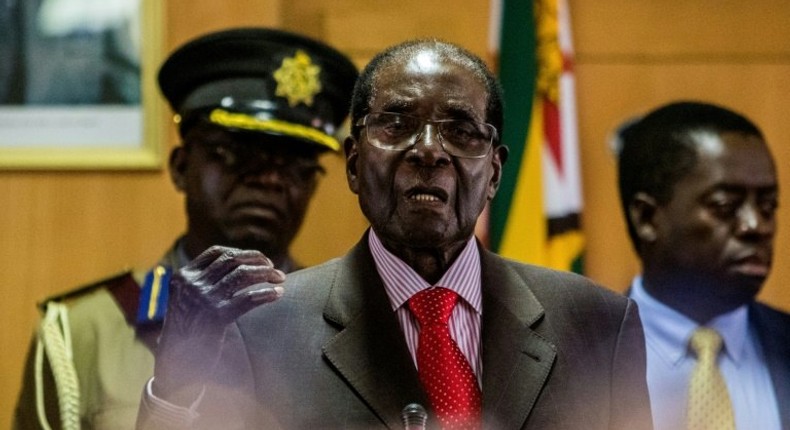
(498, 161)
(178, 167)
(352, 157)
(642, 212)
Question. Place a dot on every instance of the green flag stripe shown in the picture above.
(517, 73)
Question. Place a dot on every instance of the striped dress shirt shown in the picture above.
(402, 282)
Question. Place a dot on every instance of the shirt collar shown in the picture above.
(668, 331)
(401, 281)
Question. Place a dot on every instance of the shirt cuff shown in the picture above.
(166, 414)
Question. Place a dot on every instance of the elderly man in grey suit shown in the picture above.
(349, 343)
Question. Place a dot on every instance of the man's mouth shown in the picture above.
(424, 198)
(427, 195)
(256, 210)
(753, 266)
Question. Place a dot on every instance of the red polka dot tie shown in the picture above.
(444, 372)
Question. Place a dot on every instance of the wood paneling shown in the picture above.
(678, 30)
(368, 26)
(187, 19)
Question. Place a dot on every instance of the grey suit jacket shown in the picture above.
(558, 353)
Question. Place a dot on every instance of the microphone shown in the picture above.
(414, 417)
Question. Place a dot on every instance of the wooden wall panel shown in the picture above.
(361, 28)
(678, 30)
(188, 19)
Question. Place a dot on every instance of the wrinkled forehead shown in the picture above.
(408, 80)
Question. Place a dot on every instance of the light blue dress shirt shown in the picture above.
(670, 363)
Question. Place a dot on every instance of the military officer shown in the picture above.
(255, 108)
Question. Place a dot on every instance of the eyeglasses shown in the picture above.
(243, 158)
(399, 132)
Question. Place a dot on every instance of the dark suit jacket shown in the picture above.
(773, 328)
(558, 353)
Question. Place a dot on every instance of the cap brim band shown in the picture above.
(243, 121)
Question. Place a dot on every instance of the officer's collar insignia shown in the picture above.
(153, 296)
(298, 79)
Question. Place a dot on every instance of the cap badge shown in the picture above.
(297, 79)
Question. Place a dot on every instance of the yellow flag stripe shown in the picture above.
(524, 235)
(564, 249)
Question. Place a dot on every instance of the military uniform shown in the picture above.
(112, 354)
(113, 326)
(93, 351)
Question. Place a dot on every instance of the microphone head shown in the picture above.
(414, 416)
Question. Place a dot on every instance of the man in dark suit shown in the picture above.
(699, 190)
(348, 344)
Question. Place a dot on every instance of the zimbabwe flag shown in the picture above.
(535, 215)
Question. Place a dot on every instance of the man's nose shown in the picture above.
(263, 169)
(753, 220)
(428, 146)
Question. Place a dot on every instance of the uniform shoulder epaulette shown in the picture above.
(71, 294)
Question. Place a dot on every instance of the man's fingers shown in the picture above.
(245, 276)
(208, 256)
(230, 283)
(223, 255)
(252, 257)
(248, 274)
(265, 295)
(243, 256)
(251, 298)
(229, 262)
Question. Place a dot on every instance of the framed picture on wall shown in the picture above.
(78, 84)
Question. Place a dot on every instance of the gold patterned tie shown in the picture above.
(709, 406)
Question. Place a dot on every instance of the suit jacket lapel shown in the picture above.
(516, 360)
(369, 352)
